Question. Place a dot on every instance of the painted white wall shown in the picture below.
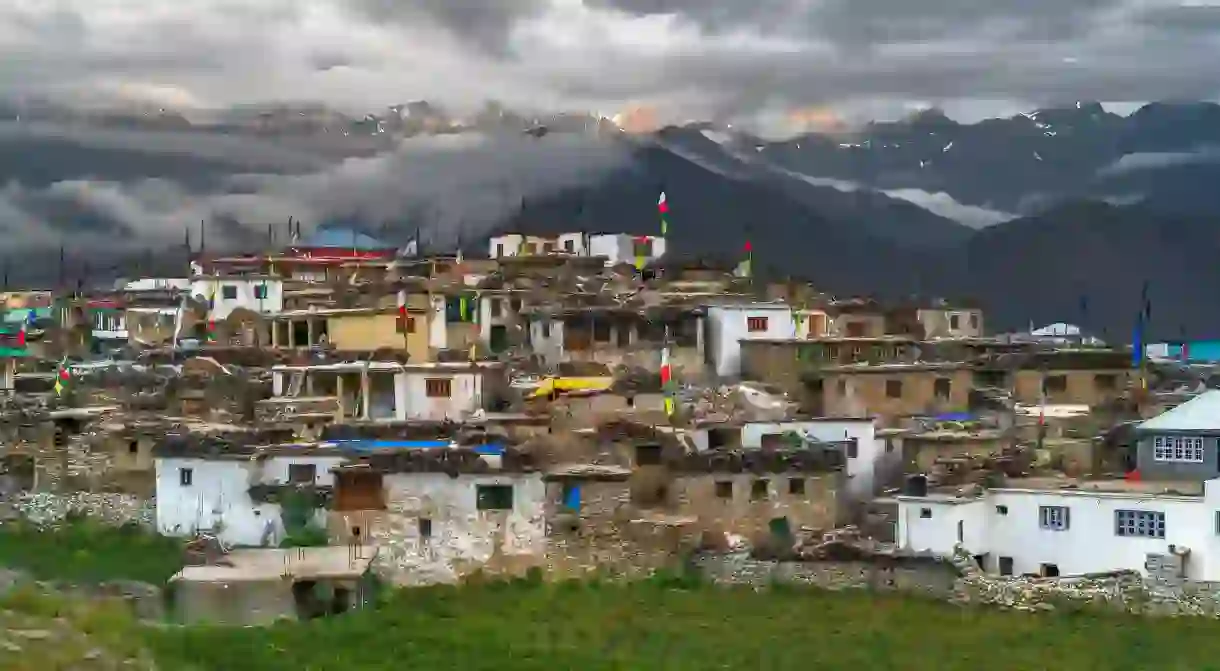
(219, 494)
(620, 247)
(727, 327)
(1088, 545)
(548, 345)
(466, 395)
(461, 533)
(507, 315)
(157, 283)
(438, 328)
(505, 245)
(109, 325)
(203, 287)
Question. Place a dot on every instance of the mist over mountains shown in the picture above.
(1059, 214)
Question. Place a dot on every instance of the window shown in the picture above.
(796, 486)
(601, 330)
(546, 329)
(1001, 510)
(1177, 448)
(494, 497)
(1141, 523)
(1055, 518)
(302, 474)
(499, 250)
(515, 304)
(406, 324)
(260, 292)
(724, 490)
(133, 447)
(889, 445)
(853, 450)
(1050, 570)
(425, 528)
(438, 387)
(497, 307)
(974, 320)
(756, 324)
(925, 513)
(228, 292)
(569, 245)
(855, 329)
(1105, 381)
(942, 387)
(759, 489)
(186, 476)
(954, 322)
(1005, 565)
(893, 388)
(647, 455)
(1056, 383)
(961, 531)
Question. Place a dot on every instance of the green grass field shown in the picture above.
(658, 624)
(81, 551)
(647, 626)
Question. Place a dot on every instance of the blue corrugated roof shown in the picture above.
(343, 237)
(362, 445)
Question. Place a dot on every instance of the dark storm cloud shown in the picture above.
(692, 57)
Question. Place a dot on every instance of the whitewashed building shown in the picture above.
(212, 493)
(870, 459)
(728, 325)
(1046, 526)
(615, 247)
(260, 294)
(385, 390)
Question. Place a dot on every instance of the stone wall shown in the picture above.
(45, 508)
(958, 580)
(932, 577)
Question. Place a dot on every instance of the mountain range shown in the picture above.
(1054, 215)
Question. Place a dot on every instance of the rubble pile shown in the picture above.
(743, 402)
(44, 508)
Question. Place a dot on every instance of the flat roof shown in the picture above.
(895, 367)
(952, 494)
(258, 565)
(387, 366)
(945, 435)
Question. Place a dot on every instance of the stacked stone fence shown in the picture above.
(957, 579)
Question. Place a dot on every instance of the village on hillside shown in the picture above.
(341, 408)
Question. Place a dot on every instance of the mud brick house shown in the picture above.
(628, 335)
(1070, 375)
(438, 514)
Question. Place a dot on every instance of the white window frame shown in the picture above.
(1054, 518)
(1139, 523)
(1182, 449)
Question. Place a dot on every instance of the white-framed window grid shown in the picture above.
(1177, 448)
(1055, 518)
(1139, 523)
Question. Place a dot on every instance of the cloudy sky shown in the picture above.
(757, 62)
(692, 58)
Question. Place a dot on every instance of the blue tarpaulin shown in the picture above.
(955, 417)
(361, 445)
